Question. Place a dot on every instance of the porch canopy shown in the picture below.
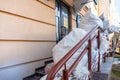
(78, 4)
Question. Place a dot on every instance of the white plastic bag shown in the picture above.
(104, 45)
(44, 78)
(67, 43)
(113, 28)
(81, 71)
(89, 20)
(48, 67)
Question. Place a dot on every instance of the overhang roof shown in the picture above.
(78, 4)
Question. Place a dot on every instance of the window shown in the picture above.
(62, 19)
(95, 1)
(78, 18)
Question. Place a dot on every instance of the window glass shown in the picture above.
(78, 19)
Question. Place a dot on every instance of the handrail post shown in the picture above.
(65, 74)
(90, 57)
(99, 50)
(62, 62)
(104, 56)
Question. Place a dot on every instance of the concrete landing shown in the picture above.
(105, 72)
(107, 66)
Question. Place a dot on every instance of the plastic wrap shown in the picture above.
(48, 67)
(81, 70)
(113, 28)
(104, 45)
(67, 43)
(89, 20)
(44, 78)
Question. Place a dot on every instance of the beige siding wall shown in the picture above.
(70, 2)
(24, 29)
(27, 33)
(104, 7)
(112, 12)
(73, 21)
(20, 52)
(16, 73)
(50, 3)
(29, 8)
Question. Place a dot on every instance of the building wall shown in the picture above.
(104, 7)
(70, 2)
(27, 36)
(112, 12)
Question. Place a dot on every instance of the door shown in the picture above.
(63, 19)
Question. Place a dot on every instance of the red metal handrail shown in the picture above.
(62, 62)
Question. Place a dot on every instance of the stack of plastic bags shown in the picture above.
(69, 41)
(89, 20)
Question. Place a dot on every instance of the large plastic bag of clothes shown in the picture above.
(48, 67)
(105, 24)
(104, 44)
(44, 78)
(59, 78)
(94, 44)
(80, 72)
(67, 43)
(89, 20)
(113, 28)
(105, 21)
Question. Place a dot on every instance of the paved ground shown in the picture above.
(115, 70)
(105, 70)
(116, 61)
(107, 66)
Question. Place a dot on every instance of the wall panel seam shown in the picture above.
(28, 18)
(6, 67)
(45, 4)
(13, 40)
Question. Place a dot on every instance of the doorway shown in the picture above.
(62, 19)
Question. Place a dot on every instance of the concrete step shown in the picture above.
(107, 66)
(100, 76)
(105, 72)
(39, 72)
(32, 77)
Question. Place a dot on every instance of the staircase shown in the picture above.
(103, 71)
(104, 74)
(39, 72)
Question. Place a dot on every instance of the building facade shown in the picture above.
(29, 29)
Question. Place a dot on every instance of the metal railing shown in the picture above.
(62, 62)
